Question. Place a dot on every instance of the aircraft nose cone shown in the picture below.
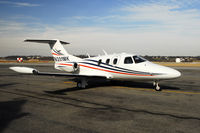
(174, 73)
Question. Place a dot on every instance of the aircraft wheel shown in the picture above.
(156, 86)
(81, 85)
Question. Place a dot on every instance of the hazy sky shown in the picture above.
(145, 27)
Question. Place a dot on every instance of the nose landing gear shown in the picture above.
(156, 86)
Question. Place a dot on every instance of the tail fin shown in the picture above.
(57, 50)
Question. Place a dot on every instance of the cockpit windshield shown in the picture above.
(138, 59)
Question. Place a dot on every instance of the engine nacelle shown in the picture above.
(75, 67)
(72, 67)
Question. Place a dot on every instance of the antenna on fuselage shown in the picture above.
(105, 52)
(88, 55)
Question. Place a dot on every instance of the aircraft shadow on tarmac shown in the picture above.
(63, 91)
(111, 84)
(9, 111)
(8, 84)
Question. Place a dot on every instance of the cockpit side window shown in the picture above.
(115, 61)
(138, 59)
(128, 60)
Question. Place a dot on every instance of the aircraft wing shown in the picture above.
(28, 70)
(67, 75)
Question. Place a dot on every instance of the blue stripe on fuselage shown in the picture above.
(122, 69)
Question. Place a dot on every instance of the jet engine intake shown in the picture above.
(75, 67)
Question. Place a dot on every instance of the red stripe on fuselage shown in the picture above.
(106, 70)
(64, 64)
(55, 54)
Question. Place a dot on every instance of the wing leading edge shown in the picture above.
(67, 75)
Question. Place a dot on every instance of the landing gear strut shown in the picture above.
(156, 86)
(82, 83)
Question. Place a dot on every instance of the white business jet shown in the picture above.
(111, 67)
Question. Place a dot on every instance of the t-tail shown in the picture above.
(60, 55)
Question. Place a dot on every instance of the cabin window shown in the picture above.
(115, 61)
(99, 62)
(128, 60)
(138, 59)
(107, 61)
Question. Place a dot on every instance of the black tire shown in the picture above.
(158, 89)
(79, 85)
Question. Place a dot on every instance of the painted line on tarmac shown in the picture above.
(69, 82)
(183, 92)
(146, 89)
(168, 91)
(142, 89)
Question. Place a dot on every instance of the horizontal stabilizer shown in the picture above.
(45, 41)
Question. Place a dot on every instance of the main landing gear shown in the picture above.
(82, 83)
(156, 86)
